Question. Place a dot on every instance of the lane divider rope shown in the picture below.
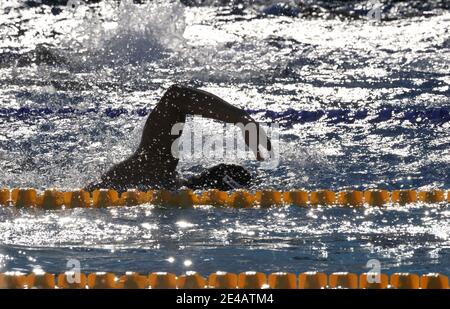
(222, 280)
(54, 199)
(438, 115)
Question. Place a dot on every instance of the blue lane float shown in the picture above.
(287, 118)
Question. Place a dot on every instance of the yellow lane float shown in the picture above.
(222, 280)
(53, 199)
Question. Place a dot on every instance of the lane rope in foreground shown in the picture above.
(222, 280)
(54, 199)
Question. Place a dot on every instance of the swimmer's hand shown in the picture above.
(257, 140)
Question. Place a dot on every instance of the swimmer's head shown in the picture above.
(223, 177)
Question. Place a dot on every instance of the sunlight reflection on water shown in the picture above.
(125, 59)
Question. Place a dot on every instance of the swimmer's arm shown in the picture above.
(208, 105)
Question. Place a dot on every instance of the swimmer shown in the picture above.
(153, 166)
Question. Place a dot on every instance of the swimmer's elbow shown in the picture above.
(175, 89)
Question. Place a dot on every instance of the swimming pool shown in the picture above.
(359, 104)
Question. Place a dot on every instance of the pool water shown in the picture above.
(359, 104)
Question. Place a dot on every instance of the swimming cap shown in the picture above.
(223, 177)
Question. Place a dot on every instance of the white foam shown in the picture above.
(130, 32)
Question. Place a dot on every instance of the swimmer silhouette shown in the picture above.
(153, 165)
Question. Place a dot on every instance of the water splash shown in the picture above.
(129, 33)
